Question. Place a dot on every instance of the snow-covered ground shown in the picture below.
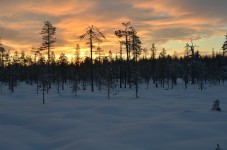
(158, 120)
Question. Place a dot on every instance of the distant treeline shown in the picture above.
(109, 73)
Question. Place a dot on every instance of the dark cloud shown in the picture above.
(8, 33)
(171, 34)
(209, 9)
(18, 37)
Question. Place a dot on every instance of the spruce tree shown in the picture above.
(48, 32)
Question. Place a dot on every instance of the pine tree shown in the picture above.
(48, 32)
(93, 35)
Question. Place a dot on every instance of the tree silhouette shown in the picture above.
(77, 55)
(2, 51)
(131, 42)
(125, 33)
(223, 60)
(43, 80)
(48, 32)
(192, 56)
(100, 52)
(121, 63)
(224, 47)
(153, 54)
(94, 35)
(136, 48)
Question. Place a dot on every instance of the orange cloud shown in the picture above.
(156, 21)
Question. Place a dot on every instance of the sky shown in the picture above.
(170, 24)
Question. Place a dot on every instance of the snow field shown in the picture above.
(172, 119)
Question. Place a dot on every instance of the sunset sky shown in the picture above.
(168, 23)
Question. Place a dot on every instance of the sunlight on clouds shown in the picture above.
(169, 23)
(58, 8)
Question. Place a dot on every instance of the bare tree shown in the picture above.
(94, 35)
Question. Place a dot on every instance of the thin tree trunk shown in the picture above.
(91, 47)
(43, 92)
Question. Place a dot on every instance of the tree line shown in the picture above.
(109, 73)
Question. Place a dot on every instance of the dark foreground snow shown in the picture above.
(159, 119)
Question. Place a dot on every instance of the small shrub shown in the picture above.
(218, 147)
(216, 106)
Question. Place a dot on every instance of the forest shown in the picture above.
(138, 67)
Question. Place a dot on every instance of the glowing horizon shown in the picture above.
(169, 24)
